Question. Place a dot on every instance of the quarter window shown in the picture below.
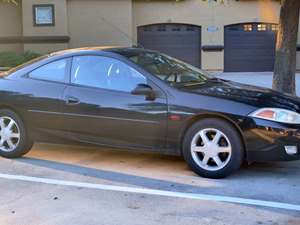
(54, 71)
(106, 73)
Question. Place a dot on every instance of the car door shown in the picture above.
(100, 108)
(43, 89)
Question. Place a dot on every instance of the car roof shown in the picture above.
(113, 49)
(121, 51)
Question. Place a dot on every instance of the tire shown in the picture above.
(222, 154)
(22, 144)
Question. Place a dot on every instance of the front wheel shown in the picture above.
(14, 140)
(213, 148)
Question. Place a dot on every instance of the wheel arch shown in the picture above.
(17, 111)
(202, 116)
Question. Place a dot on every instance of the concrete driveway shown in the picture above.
(263, 79)
(57, 184)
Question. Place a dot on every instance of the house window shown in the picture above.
(147, 29)
(190, 28)
(161, 28)
(247, 27)
(176, 28)
(261, 27)
(43, 15)
(274, 27)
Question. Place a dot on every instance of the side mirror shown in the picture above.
(144, 89)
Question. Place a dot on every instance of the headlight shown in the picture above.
(278, 115)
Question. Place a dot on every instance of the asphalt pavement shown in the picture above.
(62, 184)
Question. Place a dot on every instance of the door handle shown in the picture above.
(72, 100)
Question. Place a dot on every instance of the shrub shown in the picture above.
(12, 59)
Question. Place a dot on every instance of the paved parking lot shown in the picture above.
(31, 203)
(62, 185)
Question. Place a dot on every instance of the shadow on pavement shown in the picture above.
(112, 176)
(151, 183)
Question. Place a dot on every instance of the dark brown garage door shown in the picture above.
(250, 47)
(178, 40)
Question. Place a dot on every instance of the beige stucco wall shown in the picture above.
(115, 22)
(94, 22)
(60, 28)
(45, 48)
(205, 14)
(11, 47)
(10, 25)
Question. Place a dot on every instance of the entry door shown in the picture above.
(44, 88)
(177, 40)
(100, 109)
(250, 47)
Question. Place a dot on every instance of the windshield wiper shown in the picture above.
(215, 79)
(189, 83)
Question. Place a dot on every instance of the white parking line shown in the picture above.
(206, 197)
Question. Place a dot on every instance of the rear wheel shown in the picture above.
(14, 140)
(213, 148)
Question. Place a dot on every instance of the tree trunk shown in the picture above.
(285, 61)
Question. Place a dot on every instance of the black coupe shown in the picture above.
(147, 101)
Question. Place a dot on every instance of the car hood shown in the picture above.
(248, 94)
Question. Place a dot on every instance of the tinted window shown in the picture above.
(103, 72)
(167, 68)
(12, 70)
(54, 71)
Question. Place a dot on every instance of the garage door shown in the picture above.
(178, 40)
(250, 47)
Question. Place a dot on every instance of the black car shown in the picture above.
(147, 101)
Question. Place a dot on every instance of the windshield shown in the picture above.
(168, 69)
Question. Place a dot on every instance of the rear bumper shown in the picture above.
(266, 141)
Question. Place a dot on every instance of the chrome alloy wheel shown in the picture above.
(211, 149)
(9, 134)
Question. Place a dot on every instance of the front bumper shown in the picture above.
(267, 141)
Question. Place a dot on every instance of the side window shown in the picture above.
(104, 72)
(54, 71)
